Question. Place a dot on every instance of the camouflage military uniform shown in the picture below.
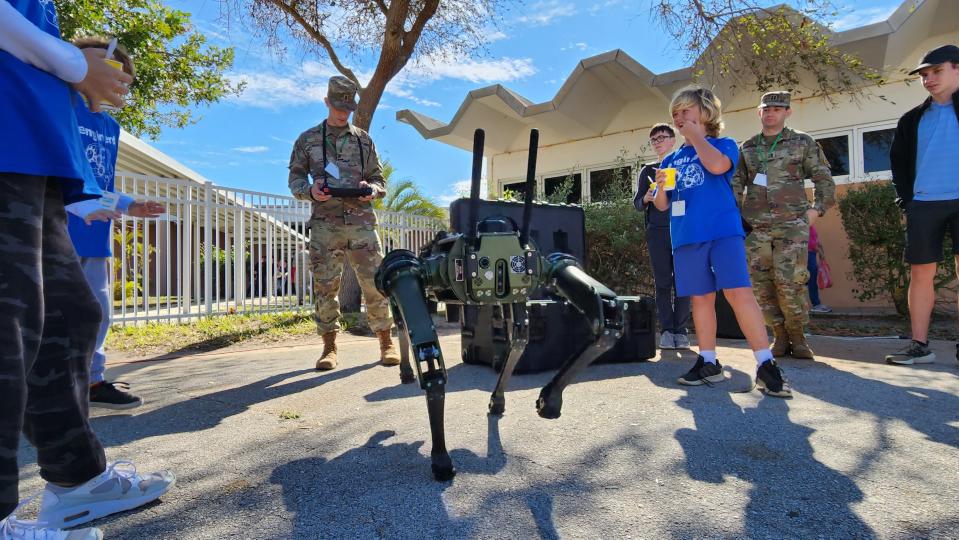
(341, 228)
(777, 246)
(48, 328)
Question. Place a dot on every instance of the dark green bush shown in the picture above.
(877, 231)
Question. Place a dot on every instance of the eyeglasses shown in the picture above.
(661, 138)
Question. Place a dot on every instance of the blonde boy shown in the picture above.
(709, 253)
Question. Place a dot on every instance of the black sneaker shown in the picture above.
(106, 395)
(770, 380)
(703, 373)
(915, 353)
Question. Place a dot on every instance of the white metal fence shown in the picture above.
(221, 250)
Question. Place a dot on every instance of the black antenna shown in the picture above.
(479, 140)
(530, 186)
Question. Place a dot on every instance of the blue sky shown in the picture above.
(245, 142)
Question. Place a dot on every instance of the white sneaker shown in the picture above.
(681, 341)
(118, 488)
(666, 340)
(820, 308)
(12, 528)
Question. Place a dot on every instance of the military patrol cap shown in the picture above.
(342, 93)
(775, 99)
(939, 55)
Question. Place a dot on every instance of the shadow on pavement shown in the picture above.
(208, 410)
(791, 493)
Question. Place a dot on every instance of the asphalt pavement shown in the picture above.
(265, 447)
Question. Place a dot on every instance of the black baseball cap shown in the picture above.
(940, 55)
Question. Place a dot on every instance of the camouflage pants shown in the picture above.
(778, 268)
(48, 327)
(330, 246)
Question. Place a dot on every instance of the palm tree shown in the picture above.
(405, 197)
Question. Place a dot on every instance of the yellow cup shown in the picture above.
(670, 183)
(106, 105)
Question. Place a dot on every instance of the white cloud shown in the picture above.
(580, 46)
(272, 91)
(251, 149)
(545, 12)
(475, 71)
(459, 190)
(307, 84)
(596, 8)
(856, 17)
(495, 35)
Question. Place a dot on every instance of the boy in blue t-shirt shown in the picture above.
(49, 318)
(709, 253)
(100, 135)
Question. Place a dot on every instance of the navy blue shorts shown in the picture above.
(711, 266)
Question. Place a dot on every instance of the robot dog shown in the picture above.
(489, 263)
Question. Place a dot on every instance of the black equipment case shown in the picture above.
(556, 330)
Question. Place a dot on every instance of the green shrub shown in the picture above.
(616, 250)
(877, 231)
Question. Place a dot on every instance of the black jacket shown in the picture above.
(902, 153)
(653, 216)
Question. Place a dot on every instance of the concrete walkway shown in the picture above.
(864, 450)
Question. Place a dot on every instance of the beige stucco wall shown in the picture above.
(880, 108)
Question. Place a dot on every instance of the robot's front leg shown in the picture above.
(605, 313)
(399, 279)
(518, 333)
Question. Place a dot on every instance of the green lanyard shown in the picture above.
(764, 156)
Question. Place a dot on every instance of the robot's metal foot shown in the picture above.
(550, 402)
(406, 375)
(443, 470)
(497, 405)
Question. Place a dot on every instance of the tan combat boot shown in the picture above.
(800, 349)
(390, 356)
(780, 345)
(327, 360)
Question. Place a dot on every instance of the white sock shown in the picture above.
(708, 356)
(762, 355)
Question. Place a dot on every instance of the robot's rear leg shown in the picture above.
(518, 328)
(406, 370)
(550, 402)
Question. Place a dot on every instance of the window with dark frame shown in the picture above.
(836, 149)
(519, 189)
(602, 179)
(555, 182)
(875, 150)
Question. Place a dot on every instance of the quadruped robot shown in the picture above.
(491, 262)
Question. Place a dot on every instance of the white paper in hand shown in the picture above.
(760, 179)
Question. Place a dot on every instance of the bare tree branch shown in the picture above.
(314, 33)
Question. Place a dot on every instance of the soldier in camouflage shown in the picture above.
(769, 185)
(338, 154)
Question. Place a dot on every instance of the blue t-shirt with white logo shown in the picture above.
(100, 136)
(38, 131)
(709, 210)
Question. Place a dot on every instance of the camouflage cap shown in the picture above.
(342, 93)
(775, 99)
